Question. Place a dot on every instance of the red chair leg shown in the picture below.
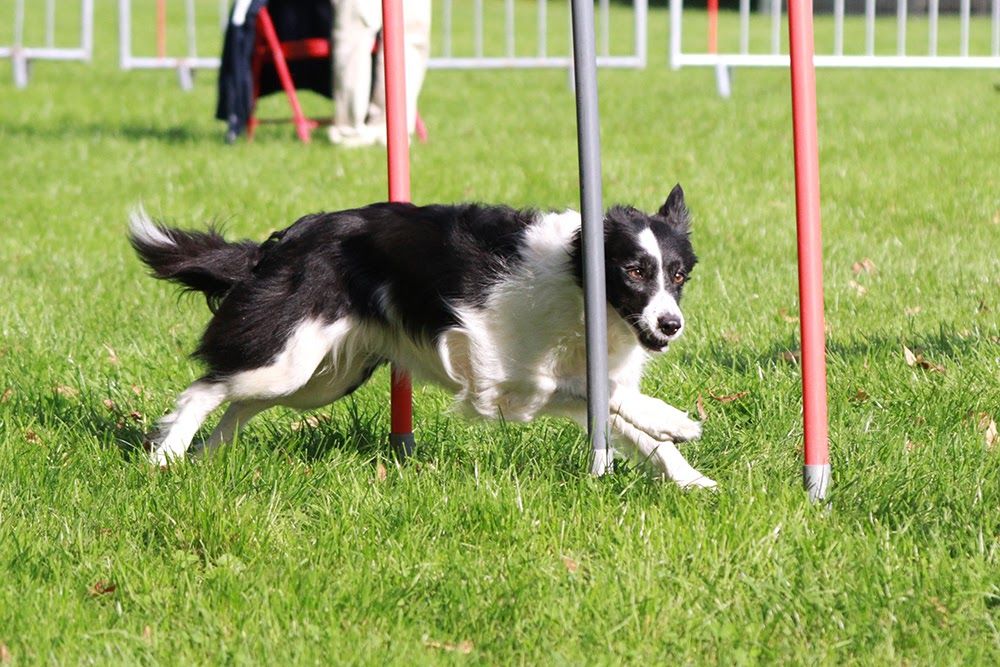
(266, 27)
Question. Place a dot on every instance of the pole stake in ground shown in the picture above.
(592, 215)
(398, 152)
(816, 471)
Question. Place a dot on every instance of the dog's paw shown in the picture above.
(676, 427)
(659, 420)
(685, 429)
(700, 482)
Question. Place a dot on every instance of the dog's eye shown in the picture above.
(679, 278)
(635, 273)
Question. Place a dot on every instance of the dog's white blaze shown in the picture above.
(145, 231)
(663, 302)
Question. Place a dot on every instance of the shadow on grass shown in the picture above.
(128, 131)
(742, 358)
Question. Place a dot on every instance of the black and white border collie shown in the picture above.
(485, 301)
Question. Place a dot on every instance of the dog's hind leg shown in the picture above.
(174, 431)
(236, 416)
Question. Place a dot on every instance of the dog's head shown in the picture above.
(647, 261)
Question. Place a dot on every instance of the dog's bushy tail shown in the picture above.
(199, 261)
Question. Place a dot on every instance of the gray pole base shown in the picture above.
(402, 445)
(816, 479)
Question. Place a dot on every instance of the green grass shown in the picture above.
(493, 545)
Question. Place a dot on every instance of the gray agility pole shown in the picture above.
(592, 214)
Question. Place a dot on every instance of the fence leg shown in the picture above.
(724, 81)
(185, 76)
(21, 68)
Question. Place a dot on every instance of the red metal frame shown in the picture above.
(269, 47)
(803, 74)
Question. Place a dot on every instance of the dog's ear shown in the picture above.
(674, 211)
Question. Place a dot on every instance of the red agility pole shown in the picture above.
(816, 471)
(161, 28)
(713, 26)
(398, 151)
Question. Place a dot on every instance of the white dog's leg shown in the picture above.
(236, 416)
(174, 432)
(663, 454)
(653, 417)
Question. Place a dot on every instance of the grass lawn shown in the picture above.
(304, 543)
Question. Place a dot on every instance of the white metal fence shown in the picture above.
(759, 39)
(467, 34)
(157, 50)
(40, 35)
(473, 34)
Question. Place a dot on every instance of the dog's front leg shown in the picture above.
(653, 417)
(661, 453)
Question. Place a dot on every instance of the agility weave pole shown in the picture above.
(398, 158)
(816, 469)
(592, 213)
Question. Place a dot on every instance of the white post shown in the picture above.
(50, 23)
(838, 27)
(996, 28)
(901, 27)
(18, 60)
(125, 34)
(932, 17)
(446, 29)
(478, 27)
(543, 28)
(87, 28)
(605, 28)
(508, 23)
(870, 27)
(964, 45)
(641, 31)
(192, 31)
(676, 9)
(744, 26)
(775, 26)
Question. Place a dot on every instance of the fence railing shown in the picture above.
(467, 34)
(473, 34)
(46, 42)
(759, 39)
(154, 50)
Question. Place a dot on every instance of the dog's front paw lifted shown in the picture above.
(675, 426)
(685, 429)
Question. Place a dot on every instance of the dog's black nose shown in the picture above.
(669, 325)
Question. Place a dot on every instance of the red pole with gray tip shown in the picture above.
(398, 153)
(592, 215)
(816, 471)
